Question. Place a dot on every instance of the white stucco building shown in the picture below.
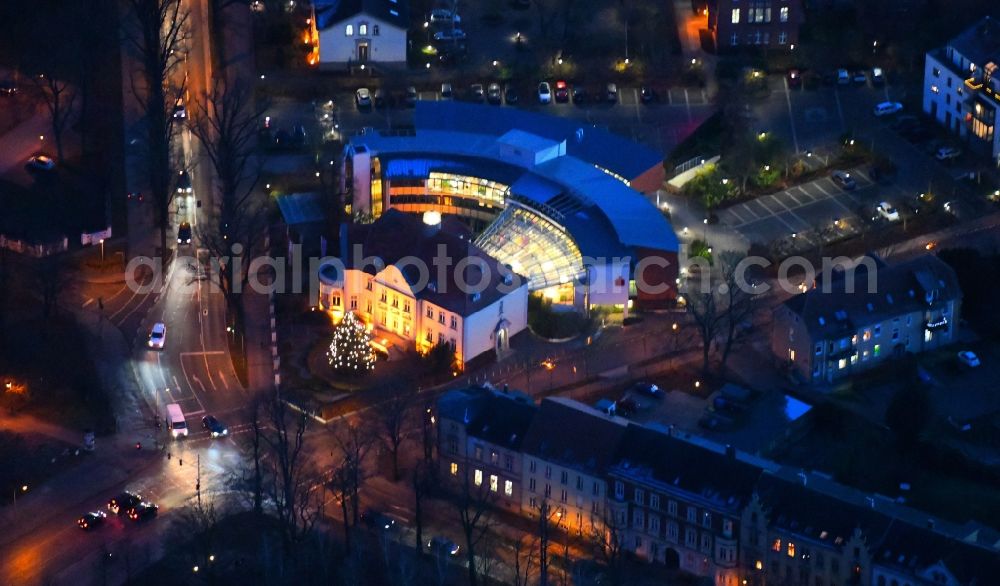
(429, 285)
(354, 32)
(961, 89)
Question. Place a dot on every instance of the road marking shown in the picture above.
(88, 302)
(177, 383)
(225, 385)
(791, 195)
(819, 186)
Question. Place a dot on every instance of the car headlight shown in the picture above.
(178, 241)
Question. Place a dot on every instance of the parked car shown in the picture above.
(363, 98)
(611, 93)
(493, 94)
(184, 233)
(510, 95)
(646, 94)
(794, 78)
(443, 17)
(887, 211)
(143, 511)
(380, 98)
(450, 36)
(725, 404)
(859, 77)
(647, 389)
(411, 96)
(579, 95)
(544, 93)
(157, 336)
(968, 358)
(843, 179)
(442, 545)
(843, 77)
(446, 92)
(214, 426)
(476, 92)
(878, 76)
(887, 108)
(41, 163)
(8, 87)
(123, 502)
(562, 92)
(958, 209)
(947, 153)
(91, 520)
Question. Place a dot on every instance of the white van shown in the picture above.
(175, 421)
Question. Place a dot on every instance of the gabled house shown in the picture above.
(480, 433)
(357, 32)
(679, 501)
(861, 317)
(567, 451)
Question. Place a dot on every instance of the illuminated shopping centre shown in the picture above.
(557, 202)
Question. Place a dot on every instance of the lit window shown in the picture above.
(349, 30)
(758, 565)
(508, 487)
(479, 477)
(454, 469)
(362, 29)
(776, 545)
(736, 15)
(493, 482)
(791, 549)
(877, 350)
(784, 14)
(867, 336)
(842, 364)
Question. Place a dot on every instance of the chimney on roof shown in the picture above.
(730, 452)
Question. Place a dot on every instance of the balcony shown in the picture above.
(935, 325)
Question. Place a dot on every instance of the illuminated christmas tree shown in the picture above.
(350, 349)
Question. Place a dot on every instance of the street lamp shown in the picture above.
(102, 250)
(24, 488)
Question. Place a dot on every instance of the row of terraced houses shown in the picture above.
(677, 499)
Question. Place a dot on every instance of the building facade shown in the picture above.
(479, 441)
(961, 88)
(773, 24)
(357, 32)
(566, 453)
(388, 276)
(863, 316)
(559, 203)
(680, 504)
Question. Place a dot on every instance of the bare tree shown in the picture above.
(157, 34)
(737, 299)
(355, 443)
(393, 416)
(295, 487)
(606, 535)
(226, 126)
(704, 309)
(475, 512)
(525, 552)
(60, 100)
(255, 454)
(52, 275)
(420, 481)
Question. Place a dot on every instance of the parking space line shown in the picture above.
(819, 186)
(751, 211)
(766, 207)
(840, 111)
(841, 204)
(732, 211)
(781, 203)
(638, 110)
(791, 195)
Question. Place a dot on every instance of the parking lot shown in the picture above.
(661, 124)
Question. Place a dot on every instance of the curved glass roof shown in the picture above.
(534, 245)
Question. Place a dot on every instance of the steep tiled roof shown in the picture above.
(574, 435)
(503, 420)
(833, 308)
(331, 12)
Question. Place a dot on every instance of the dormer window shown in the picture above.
(349, 30)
